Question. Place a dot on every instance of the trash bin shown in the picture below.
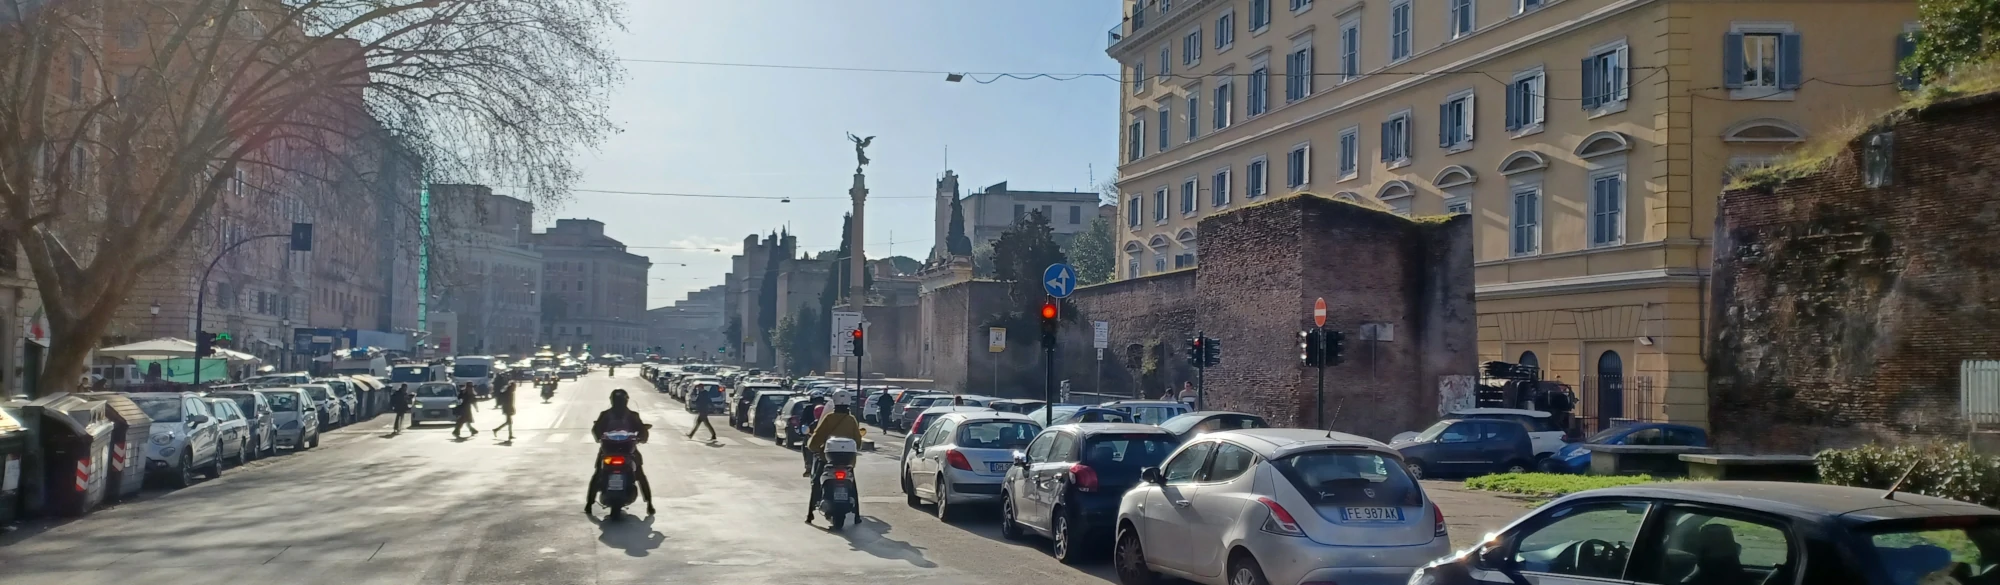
(131, 429)
(76, 450)
(13, 452)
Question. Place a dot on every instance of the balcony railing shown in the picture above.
(1116, 34)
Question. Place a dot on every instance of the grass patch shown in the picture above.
(1550, 485)
(1825, 148)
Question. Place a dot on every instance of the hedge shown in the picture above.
(1946, 470)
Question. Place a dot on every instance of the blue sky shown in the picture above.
(777, 132)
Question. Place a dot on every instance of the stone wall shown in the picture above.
(1842, 313)
(1149, 321)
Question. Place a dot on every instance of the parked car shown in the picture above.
(921, 425)
(232, 430)
(1016, 405)
(186, 437)
(1265, 506)
(1575, 457)
(766, 411)
(1731, 532)
(1542, 430)
(294, 418)
(332, 410)
(569, 371)
(742, 403)
(1067, 484)
(278, 380)
(1190, 425)
(257, 415)
(901, 411)
(1468, 446)
(917, 406)
(794, 413)
(1063, 414)
(350, 399)
(699, 392)
(434, 403)
(1148, 412)
(963, 458)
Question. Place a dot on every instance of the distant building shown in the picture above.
(691, 327)
(488, 271)
(593, 291)
(995, 209)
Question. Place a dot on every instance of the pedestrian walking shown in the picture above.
(1187, 394)
(504, 399)
(704, 405)
(399, 401)
(882, 406)
(464, 408)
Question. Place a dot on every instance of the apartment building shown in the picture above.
(1588, 139)
(593, 291)
(486, 270)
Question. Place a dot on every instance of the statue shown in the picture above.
(860, 154)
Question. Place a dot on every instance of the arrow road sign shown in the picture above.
(1059, 280)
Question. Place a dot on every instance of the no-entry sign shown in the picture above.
(1319, 312)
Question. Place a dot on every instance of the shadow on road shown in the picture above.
(632, 534)
(871, 536)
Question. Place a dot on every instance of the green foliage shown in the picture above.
(955, 241)
(1091, 251)
(905, 265)
(1550, 485)
(1022, 253)
(1956, 34)
(767, 294)
(1945, 470)
(800, 337)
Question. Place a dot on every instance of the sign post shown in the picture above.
(1319, 333)
(1059, 280)
(840, 338)
(996, 342)
(1100, 338)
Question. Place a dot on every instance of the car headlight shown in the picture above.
(163, 440)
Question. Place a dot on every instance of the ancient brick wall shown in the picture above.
(1148, 321)
(1841, 312)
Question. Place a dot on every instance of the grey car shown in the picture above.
(258, 416)
(294, 417)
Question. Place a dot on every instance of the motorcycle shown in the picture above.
(837, 494)
(617, 471)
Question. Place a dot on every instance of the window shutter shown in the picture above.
(1444, 124)
(1538, 103)
(1591, 83)
(1732, 60)
(1906, 46)
(1468, 123)
(1385, 142)
(1514, 106)
(1792, 71)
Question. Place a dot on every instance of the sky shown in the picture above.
(728, 130)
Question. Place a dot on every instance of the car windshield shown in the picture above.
(997, 434)
(1059, 412)
(319, 393)
(469, 370)
(1964, 549)
(409, 374)
(773, 399)
(246, 403)
(1606, 434)
(1153, 414)
(1535, 424)
(1124, 455)
(1431, 434)
(1346, 477)
(160, 408)
(282, 401)
(437, 391)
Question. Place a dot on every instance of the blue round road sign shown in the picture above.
(1059, 280)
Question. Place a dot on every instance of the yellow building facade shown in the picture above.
(1588, 138)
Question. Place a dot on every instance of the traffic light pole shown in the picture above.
(201, 295)
(1321, 410)
(1201, 373)
(1048, 385)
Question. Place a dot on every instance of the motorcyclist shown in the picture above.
(839, 423)
(619, 418)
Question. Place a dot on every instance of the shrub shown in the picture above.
(1945, 470)
(1549, 485)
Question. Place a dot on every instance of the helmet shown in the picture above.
(620, 397)
(842, 398)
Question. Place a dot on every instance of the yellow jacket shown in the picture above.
(834, 424)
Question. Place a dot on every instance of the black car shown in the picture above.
(1467, 447)
(740, 410)
(1735, 532)
(1068, 483)
(765, 411)
(1188, 425)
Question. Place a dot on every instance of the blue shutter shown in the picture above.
(1792, 71)
(1906, 46)
(1732, 60)
(1515, 101)
(1590, 98)
(1385, 142)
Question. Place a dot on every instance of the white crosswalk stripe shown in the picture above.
(557, 438)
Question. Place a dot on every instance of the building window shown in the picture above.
(1351, 49)
(1224, 102)
(128, 35)
(1462, 21)
(1188, 195)
(1132, 265)
(1165, 127)
(1298, 166)
(76, 76)
(1191, 48)
(1139, 76)
(1396, 139)
(1460, 204)
(1399, 31)
(1607, 202)
(1020, 211)
(1522, 6)
(1132, 213)
(1526, 236)
(1075, 214)
(1298, 71)
(1256, 177)
(1604, 79)
(1218, 188)
(1525, 102)
(1906, 47)
(1138, 15)
(1350, 152)
(1135, 139)
(1194, 113)
(1763, 59)
(1260, 86)
(1166, 60)
(1160, 204)
(1455, 122)
(1301, 5)
(1225, 31)
(1260, 15)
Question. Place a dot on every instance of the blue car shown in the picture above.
(1575, 457)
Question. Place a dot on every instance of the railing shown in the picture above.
(1116, 34)
(1609, 398)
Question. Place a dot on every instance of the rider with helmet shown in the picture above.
(839, 423)
(619, 418)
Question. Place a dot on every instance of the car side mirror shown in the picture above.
(1152, 475)
(198, 420)
(1020, 459)
(1493, 556)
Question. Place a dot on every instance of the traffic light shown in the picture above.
(1310, 351)
(1336, 344)
(1049, 314)
(860, 342)
(1195, 356)
(204, 344)
(1211, 352)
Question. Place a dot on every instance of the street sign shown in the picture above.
(996, 339)
(1319, 312)
(1064, 395)
(1100, 335)
(1100, 354)
(1059, 280)
(844, 323)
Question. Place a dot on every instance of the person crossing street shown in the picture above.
(704, 403)
(400, 402)
(504, 399)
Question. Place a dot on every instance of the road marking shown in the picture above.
(557, 438)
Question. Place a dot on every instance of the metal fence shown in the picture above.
(1979, 392)
(1608, 398)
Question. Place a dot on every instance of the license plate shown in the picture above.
(434, 412)
(617, 482)
(840, 493)
(998, 466)
(1371, 514)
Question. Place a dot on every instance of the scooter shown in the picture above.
(618, 470)
(837, 494)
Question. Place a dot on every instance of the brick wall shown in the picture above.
(1842, 313)
(1156, 315)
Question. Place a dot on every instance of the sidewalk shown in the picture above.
(1471, 514)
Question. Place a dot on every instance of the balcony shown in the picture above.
(1116, 34)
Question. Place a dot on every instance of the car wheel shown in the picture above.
(1131, 561)
(1517, 467)
(945, 512)
(1009, 528)
(214, 469)
(1415, 467)
(315, 441)
(243, 453)
(1549, 465)
(1066, 547)
(1244, 571)
(184, 473)
(910, 491)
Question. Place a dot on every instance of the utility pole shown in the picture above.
(301, 237)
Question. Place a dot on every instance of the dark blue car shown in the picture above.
(1575, 457)
(1069, 482)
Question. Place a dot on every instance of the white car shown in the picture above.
(296, 417)
(1262, 506)
(964, 456)
(1542, 430)
(434, 402)
(186, 437)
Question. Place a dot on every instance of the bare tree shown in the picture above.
(124, 122)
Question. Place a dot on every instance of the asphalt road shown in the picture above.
(369, 507)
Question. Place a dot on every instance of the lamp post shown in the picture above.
(285, 336)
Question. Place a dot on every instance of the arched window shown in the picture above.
(1453, 176)
(1185, 257)
(1522, 161)
(1603, 143)
(1133, 251)
(1159, 245)
(1764, 130)
(1398, 196)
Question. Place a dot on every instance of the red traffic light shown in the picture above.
(857, 333)
(1048, 309)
